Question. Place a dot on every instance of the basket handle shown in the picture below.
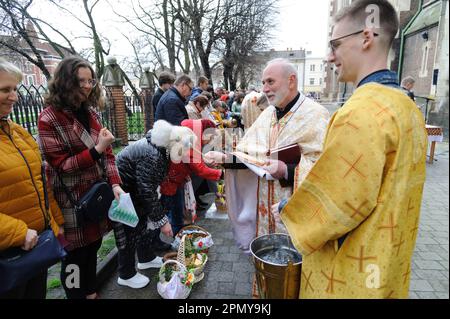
(180, 254)
(196, 227)
(172, 261)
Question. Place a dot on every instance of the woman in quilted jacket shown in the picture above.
(142, 167)
(180, 171)
(22, 199)
(78, 150)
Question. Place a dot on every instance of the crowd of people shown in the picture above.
(355, 190)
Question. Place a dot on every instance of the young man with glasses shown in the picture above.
(355, 217)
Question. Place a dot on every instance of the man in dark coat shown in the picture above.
(171, 106)
(165, 81)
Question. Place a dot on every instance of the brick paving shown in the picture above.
(228, 273)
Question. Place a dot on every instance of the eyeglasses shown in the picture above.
(190, 87)
(334, 45)
(92, 83)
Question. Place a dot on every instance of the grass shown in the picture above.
(53, 283)
(135, 123)
(108, 245)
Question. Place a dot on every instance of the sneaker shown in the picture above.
(136, 282)
(155, 263)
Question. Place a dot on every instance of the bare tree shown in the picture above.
(245, 32)
(19, 35)
(160, 23)
(101, 45)
(206, 19)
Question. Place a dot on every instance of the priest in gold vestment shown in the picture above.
(355, 217)
(291, 118)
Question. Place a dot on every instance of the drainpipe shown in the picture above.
(402, 40)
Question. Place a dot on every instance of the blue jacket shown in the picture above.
(385, 77)
(171, 107)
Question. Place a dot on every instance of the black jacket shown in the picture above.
(142, 167)
(156, 99)
(171, 107)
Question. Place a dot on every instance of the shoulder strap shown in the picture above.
(46, 200)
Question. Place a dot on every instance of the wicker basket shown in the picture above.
(221, 205)
(162, 283)
(199, 231)
(181, 257)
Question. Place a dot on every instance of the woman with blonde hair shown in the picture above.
(23, 205)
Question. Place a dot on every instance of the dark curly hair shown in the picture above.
(64, 88)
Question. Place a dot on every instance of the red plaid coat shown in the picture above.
(65, 144)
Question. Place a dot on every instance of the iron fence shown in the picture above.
(135, 114)
(31, 103)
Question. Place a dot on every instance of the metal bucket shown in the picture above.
(278, 266)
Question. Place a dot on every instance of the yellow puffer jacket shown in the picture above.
(22, 203)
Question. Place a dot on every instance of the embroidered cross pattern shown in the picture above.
(382, 109)
(347, 123)
(400, 243)
(307, 281)
(410, 208)
(353, 167)
(331, 281)
(413, 231)
(317, 213)
(406, 274)
(311, 247)
(357, 211)
(362, 258)
(391, 226)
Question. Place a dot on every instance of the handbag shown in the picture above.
(93, 206)
(95, 203)
(17, 266)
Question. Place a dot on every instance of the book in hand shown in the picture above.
(289, 154)
(246, 158)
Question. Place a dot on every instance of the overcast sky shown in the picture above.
(301, 24)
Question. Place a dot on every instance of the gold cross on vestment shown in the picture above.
(356, 211)
(307, 281)
(317, 213)
(382, 109)
(414, 229)
(406, 274)
(400, 243)
(361, 259)
(409, 207)
(353, 167)
(331, 281)
(391, 226)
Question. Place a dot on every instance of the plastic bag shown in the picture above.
(174, 288)
(190, 213)
(123, 212)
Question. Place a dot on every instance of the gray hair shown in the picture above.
(11, 69)
(408, 80)
(287, 67)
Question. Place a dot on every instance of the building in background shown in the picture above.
(313, 75)
(32, 75)
(424, 56)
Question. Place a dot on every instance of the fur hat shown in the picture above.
(176, 139)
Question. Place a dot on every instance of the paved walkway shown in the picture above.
(228, 273)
